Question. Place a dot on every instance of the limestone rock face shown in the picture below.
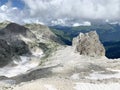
(43, 33)
(88, 44)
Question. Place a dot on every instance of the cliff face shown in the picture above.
(88, 44)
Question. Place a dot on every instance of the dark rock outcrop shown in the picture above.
(18, 37)
(15, 28)
(20, 47)
(89, 44)
(14, 40)
(24, 40)
(14, 32)
(5, 53)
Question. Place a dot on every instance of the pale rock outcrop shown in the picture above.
(88, 44)
(43, 33)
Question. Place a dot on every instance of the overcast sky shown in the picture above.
(59, 11)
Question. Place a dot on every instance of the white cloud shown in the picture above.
(86, 23)
(74, 9)
(76, 24)
(3, 8)
(62, 11)
(58, 22)
(10, 13)
(32, 20)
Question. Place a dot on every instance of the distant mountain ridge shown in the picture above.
(107, 33)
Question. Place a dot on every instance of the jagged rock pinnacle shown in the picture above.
(88, 44)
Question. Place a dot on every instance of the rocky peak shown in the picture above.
(4, 24)
(16, 28)
(88, 44)
(15, 31)
(43, 32)
(39, 29)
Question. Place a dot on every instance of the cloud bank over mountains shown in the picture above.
(62, 11)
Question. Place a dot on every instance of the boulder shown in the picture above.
(88, 44)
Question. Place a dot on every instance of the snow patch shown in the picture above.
(50, 87)
(58, 69)
(88, 86)
(22, 67)
(75, 76)
(37, 52)
(97, 75)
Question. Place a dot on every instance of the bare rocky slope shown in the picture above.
(82, 66)
(43, 33)
(18, 40)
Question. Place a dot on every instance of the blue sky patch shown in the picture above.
(15, 3)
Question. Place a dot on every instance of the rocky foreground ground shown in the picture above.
(67, 70)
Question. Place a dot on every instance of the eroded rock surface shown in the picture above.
(88, 44)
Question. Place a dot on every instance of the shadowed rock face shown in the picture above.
(15, 28)
(89, 44)
(14, 39)
(5, 53)
(18, 37)
(20, 47)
